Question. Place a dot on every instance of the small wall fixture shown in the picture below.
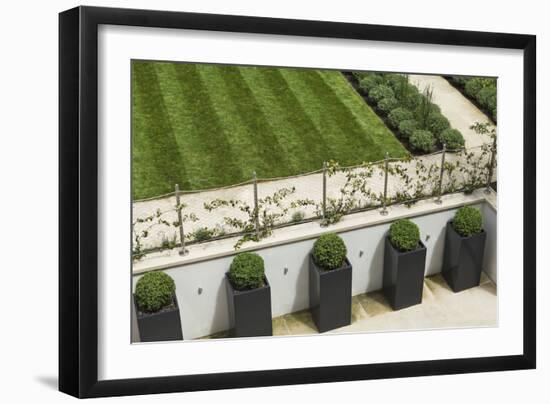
(199, 291)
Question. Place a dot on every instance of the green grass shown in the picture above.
(204, 126)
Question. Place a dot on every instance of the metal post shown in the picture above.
(183, 251)
(384, 210)
(438, 200)
(491, 166)
(324, 189)
(256, 209)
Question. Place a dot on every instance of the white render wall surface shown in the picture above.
(206, 312)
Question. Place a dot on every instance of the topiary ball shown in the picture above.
(247, 271)
(407, 127)
(452, 138)
(404, 235)
(154, 290)
(380, 92)
(387, 104)
(422, 140)
(437, 123)
(329, 251)
(368, 82)
(397, 115)
(468, 221)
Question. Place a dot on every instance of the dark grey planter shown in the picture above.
(330, 295)
(249, 310)
(164, 325)
(463, 259)
(403, 275)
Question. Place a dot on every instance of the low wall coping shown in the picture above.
(306, 231)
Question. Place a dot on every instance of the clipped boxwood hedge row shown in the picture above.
(408, 111)
(482, 90)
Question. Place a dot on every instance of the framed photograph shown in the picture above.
(250, 201)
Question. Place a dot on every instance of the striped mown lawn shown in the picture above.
(203, 126)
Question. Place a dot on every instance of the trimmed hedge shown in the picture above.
(397, 115)
(154, 291)
(380, 92)
(480, 89)
(404, 235)
(329, 251)
(422, 140)
(247, 271)
(468, 221)
(407, 127)
(437, 123)
(452, 138)
(406, 109)
(387, 104)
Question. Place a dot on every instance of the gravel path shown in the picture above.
(460, 112)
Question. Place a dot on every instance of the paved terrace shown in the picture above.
(440, 308)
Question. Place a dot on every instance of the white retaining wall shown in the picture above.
(206, 312)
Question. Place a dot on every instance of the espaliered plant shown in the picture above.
(154, 291)
(267, 214)
(404, 235)
(247, 271)
(329, 251)
(468, 221)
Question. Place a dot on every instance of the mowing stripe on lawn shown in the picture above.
(331, 118)
(371, 122)
(204, 135)
(155, 163)
(231, 105)
(282, 109)
(204, 126)
(271, 156)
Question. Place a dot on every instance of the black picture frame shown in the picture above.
(78, 196)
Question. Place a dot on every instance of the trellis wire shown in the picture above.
(324, 171)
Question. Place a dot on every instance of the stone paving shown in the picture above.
(440, 308)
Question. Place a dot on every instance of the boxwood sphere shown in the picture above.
(247, 271)
(468, 221)
(154, 290)
(404, 235)
(329, 251)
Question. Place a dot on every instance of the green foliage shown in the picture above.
(473, 86)
(308, 106)
(298, 216)
(482, 90)
(247, 271)
(154, 291)
(397, 115)
(452, 138)
(407, 127)
(387, 104)
(367, 83)
(468, 221)
(329, 251)
(437, 123)
(380, 92)
(404, 235)
(422, 140)
(202, 234)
